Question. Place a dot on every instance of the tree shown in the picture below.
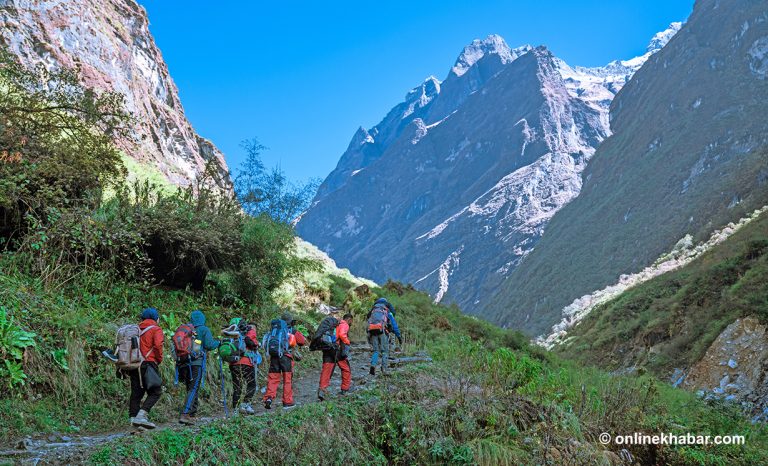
(56, 142)
(261, 190)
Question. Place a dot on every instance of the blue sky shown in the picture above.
(303, 76)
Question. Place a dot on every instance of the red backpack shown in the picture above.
(184, 345)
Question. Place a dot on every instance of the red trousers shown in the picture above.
(327, 370)
(280, 369)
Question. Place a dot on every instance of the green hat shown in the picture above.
(235, 321)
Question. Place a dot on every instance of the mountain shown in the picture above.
(109, 40)
(687, 156)
(454, 187)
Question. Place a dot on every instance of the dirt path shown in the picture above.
(49, 449)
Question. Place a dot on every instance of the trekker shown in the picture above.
(151, 349)
(191, 342)
(242, 363)
(378, 328)
(279, 343)
(336, 353)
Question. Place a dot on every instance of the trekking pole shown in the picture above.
(223, 392)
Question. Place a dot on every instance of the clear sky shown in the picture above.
(302, 76)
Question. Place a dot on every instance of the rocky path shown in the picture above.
(52, 449)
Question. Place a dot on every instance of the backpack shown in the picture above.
(324, 338)
(378, 322)
(232, 349)
(184, 345)
(277, 341)
(128, 346)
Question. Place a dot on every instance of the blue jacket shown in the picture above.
(204, 334)
(393, 324)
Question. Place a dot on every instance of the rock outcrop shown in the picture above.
(109, 40)
(735, 367)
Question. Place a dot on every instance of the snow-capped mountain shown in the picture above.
(687, 156)
(110, 41)
(455, 186)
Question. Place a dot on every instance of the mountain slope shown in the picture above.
(455, 186)
(667, 324)
(688, 155)
(110, 42)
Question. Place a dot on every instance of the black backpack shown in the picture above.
(324, 338)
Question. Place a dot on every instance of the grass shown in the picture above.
(488, 398)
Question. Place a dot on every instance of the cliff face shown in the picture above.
(109, 40)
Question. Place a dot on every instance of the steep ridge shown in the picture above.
(109, 40)
(687, 156)
(455, 186)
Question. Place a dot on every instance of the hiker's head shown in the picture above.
(381, 301)
(150, 313)
(235, 321)
(348, 318)
(197, 318)
(287, 317)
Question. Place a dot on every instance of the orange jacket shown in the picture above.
(151, 343)
(342, 332)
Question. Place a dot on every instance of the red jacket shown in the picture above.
(342, 332)
(151, 342)
(250, 334)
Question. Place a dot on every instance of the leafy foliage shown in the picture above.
(13, 343)
(60, 137)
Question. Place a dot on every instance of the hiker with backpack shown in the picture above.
(381, 323)
(139, 351)
(279, 343)
(190, 344)
(240, 351)
(332, 338)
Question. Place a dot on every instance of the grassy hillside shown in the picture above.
(670, 321)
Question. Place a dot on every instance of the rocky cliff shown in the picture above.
(109, 40)
(687, 156)
(454, 187)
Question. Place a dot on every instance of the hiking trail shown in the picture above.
(60, 449)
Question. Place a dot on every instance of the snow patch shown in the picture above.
(758, 57)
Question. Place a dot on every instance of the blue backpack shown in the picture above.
(277, 340)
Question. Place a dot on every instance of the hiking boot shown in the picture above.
(187, 420)
(246, 408)
(372, 371)
(289, 406)
(268, 403)
(141, 420)
(109, 355)
(320, 394)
